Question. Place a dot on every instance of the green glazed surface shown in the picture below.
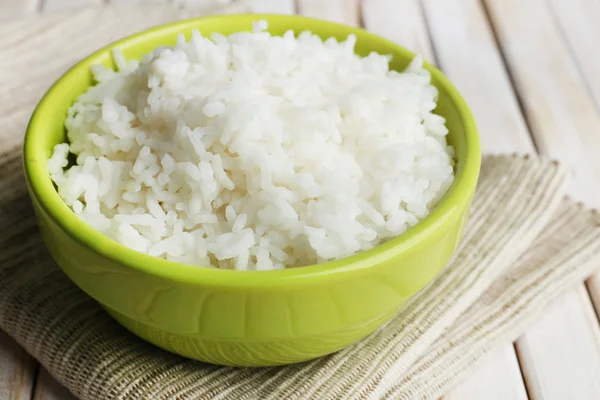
(249, 318)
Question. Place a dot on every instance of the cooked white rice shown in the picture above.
(254, 152)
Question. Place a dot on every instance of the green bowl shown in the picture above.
(249, 318)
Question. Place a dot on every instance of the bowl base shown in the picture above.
(251, 353)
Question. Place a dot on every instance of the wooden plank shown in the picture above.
(342, 11)
(10, 9)
(47, 388)
(557, 103)
(467, 52)
(578, 20)
(560, 356)
(17, 370)
(272, 6)
(461, 89)
(198, 7)
(547, 360)
(57, 5)
(208, 4)
(496, 377)
(129, 2)
(401, 22)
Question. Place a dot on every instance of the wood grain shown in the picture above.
(47, 388)
(57, 5)
(557, 368)
(578, 20)
(467, 52)
(202, 4)
(401, 22)
(272, 6)
(561, 112)
(560, 355)
(129, 2)
(342, 11)
(496, 377)
(17, 370)
(553, 61)
(10, 8)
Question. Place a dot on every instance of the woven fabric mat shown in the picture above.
(524, 245)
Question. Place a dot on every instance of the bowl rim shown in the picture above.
(42, 188)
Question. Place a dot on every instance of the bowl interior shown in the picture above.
(46, 129)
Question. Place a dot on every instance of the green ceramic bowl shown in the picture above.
(248, 318)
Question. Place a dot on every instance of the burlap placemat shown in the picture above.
(523, 246)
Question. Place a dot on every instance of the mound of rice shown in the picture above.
(254, 152)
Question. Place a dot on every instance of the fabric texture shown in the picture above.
(524, 245)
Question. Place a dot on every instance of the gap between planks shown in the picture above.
(466, 50)
(353, 17)
(412, 32)
(578, 22)
(404, 22)
(560, 354)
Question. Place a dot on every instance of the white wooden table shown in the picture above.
(530, 69)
